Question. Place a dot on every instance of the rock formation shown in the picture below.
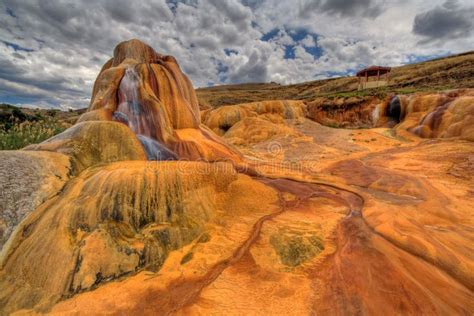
(223, 118)
(352, 112)
(142, 108)
(109, 222)
(428, 115)
(93, 142)
(148, 92)
(27, 180)
(111, 217)
(445, 115)
(252, 123)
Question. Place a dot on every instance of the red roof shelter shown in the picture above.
(372, 71)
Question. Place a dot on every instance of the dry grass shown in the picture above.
(440, 74)
(25, 133)
(20, 127)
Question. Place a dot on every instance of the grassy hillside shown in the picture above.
(22, 126)
(444, 73)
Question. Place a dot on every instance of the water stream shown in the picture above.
(139, 118)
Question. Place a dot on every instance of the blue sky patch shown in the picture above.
(421, 58)
(222, 70)
(17, 47)
(337, 74)
(296, 35)
(229, 51)
(268, 36)
(289, 52)
(10, 12)
(316, 51)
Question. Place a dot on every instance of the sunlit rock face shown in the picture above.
(109, 222)
(148, 93)
(440, 115)
(253, 130)
(352, 112)
(428, 115)
(95, 142)
(222, 119)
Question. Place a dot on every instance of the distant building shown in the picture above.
(373, 77)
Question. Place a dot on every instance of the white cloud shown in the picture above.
(65, 42)
(308, 41)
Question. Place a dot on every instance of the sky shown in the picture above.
(52, 51)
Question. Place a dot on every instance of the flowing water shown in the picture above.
(155, 150)
(395, 109)
(139, 117)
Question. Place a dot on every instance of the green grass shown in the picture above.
(294, 249)
(20, 127)
(21, 134)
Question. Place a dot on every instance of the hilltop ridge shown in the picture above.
(456, 71)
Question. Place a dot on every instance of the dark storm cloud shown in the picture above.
(12, 72)
(448, 21)
(353, 8)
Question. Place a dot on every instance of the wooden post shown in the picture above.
(378, 74)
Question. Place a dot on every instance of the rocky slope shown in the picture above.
(259, 209)
(445, 114)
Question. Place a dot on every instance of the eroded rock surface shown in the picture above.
(444, 115)
(220, 120)
(27, 179)
(447, 114)
(352, 112)
(109, 222)
(92, 143)
(148, 93)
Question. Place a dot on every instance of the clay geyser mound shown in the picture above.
(148, 92)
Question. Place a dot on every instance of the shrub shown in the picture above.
(24, 133)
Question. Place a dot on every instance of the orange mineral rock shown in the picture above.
(148, 92)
